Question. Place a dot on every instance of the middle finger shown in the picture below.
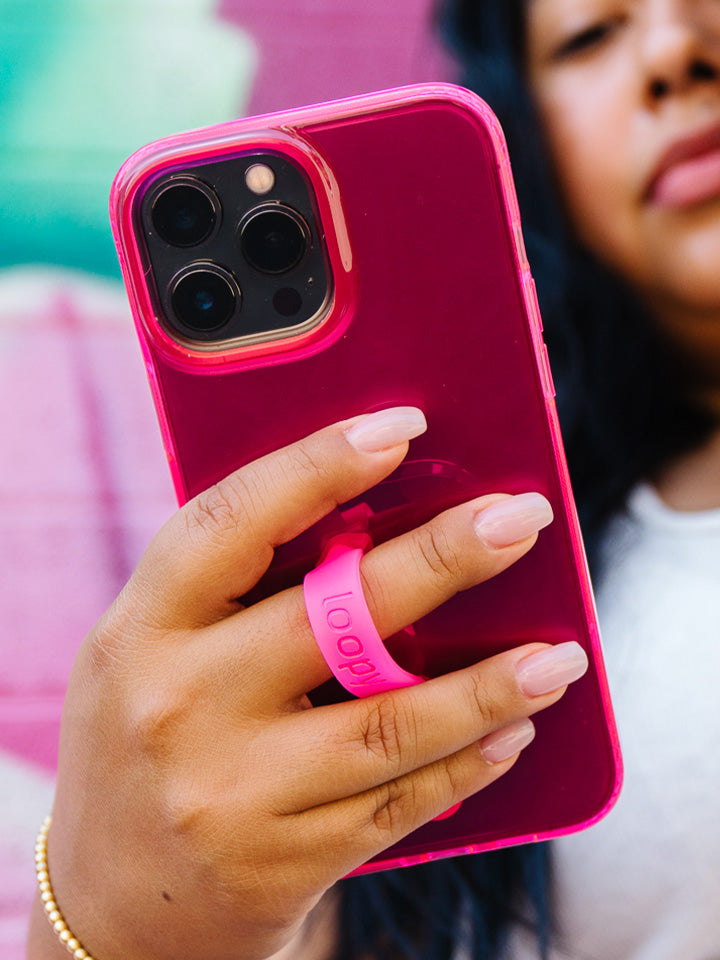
(403, 580)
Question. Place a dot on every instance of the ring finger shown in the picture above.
(344, 749)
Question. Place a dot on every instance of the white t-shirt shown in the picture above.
(644, 883)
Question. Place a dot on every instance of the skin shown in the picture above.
(616, 82)
(207, 817)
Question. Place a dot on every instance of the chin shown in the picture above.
(696, 291)
(685, 269)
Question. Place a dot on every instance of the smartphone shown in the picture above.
(292, 270)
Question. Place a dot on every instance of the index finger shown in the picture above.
(221, 542)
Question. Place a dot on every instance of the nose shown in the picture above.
(680, 49)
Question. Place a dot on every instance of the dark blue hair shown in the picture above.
(622, 395)
(430, 912)
(624, 410)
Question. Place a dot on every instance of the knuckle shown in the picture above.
(211, 510)
(155, 720)
(193, 820)
(108, 641)
(222, 507)
(105, 651)
(389, 812)
(129, 618)
(186, 810)
(454, 776)
(439, 555)
(483, 701)
(242, 864)
(305, 463)
(381, 731)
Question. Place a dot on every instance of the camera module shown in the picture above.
(184, 212)
(274, 238)
(204, 297)
(234, 250)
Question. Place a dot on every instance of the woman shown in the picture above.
(627, 95)
(612, 113)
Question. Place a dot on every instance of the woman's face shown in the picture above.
(629, 93)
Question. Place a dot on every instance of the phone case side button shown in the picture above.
(547, 379)
(532, 300)
(520, 246)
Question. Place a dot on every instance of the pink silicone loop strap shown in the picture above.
(344, 629)
(342, 625)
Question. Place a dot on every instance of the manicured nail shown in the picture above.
(506, 742)
(549, 669)
(380, 431)
(512, 519)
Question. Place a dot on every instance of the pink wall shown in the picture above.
(83, 483)
(325, 49)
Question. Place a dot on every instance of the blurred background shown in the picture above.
(83, 479)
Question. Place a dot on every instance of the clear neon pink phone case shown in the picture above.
(433, 305)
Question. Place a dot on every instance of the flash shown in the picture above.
(259, 178)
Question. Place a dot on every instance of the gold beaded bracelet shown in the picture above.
(47, 896)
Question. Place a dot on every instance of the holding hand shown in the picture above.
(203, 805)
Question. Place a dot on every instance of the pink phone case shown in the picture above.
(432, 305)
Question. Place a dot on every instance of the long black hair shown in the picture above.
(624, 410)
(622, 394)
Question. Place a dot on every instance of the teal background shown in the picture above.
(82, 84)
(83, 478)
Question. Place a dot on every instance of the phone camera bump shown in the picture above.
(204, 297)
(184, 212)
(274, 238)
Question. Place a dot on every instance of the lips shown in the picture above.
(688, 172)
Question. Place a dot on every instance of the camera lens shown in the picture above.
(184, 213)
(273, 239)
(204, 297)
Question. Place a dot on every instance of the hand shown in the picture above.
(203, 806)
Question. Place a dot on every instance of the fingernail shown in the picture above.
(507, 521)
(386, 428)
(549, 669)
(505, 743)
